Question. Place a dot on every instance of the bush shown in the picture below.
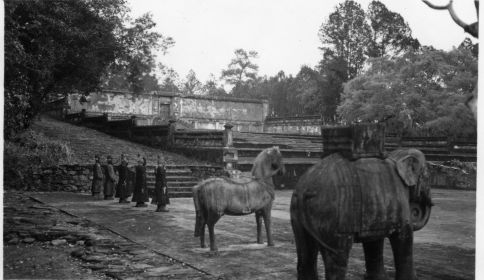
(30, 151)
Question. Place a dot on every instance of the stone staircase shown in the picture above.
(179, 180)
(295, 149)
(298, 151)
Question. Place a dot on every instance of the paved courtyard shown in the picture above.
(444, 249)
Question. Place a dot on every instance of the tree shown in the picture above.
(472, 28)
(349, 37)
(424, 90)
(212, 87)
(468, 45)
(170, 80)
(241, 69)
(345, 34)
(389, 33)
(309, 90)
(191, 85)
(134, 69)
(53, 48)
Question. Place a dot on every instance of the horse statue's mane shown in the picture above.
(267, 154)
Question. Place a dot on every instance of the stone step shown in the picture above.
(180, 194)
(286, 153)
(180, 184)
(180, 189)
(258, 145)
(178, 171)
(180, 178)
(250, 160)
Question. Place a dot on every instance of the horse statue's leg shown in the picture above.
(212, 219)
(202, 235)
(267, 222)
(258, 220)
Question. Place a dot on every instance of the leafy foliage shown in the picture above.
(169, 80)
(29, 151)
(389, 33)
(425, 91)
(133, 69)
(191, 84)
(212, 87)
(349, 37)
(53, 48)
(345, 35)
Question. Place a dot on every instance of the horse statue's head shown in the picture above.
(268, 163)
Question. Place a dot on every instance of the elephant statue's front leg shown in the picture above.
(402, 246)
(375, 269)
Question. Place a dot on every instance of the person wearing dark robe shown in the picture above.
(140, 193)
(110, 181)
(161, 197)
(97, 177)
(122, 187)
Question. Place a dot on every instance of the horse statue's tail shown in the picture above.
(198, 214)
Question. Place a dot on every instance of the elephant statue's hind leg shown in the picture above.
(375, 269)
(307, 255)
(402, 246)
(336, 263)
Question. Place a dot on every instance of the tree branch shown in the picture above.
(469, 28)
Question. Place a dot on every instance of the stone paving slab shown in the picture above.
(100, 253)
(444, 249)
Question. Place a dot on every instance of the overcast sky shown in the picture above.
(283, 32)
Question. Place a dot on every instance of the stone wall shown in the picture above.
(78, 178)
(197, 112)
(203, 112)
(447, 176)
(307, 125)
(115, 103)
(74, 178)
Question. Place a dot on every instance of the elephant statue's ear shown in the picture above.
(409, 169)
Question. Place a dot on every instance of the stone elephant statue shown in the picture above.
(338, 202)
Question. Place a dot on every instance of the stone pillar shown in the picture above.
(83, 115)
(230, 156)
(105, 118)
(171, 133)
(228, 136)
(130, 129)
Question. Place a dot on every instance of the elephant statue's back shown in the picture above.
(362, 198)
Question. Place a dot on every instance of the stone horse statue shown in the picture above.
(215, 197)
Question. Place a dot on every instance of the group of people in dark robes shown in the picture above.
(104, 179)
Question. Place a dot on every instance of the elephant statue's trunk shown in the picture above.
(419, 215)
(420, 206)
